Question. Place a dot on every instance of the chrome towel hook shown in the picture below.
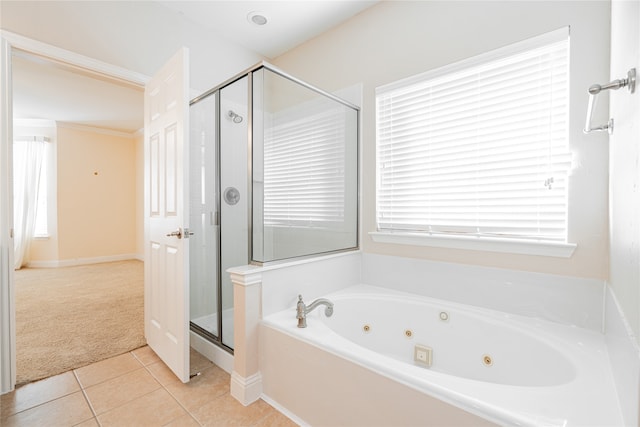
(594, 90)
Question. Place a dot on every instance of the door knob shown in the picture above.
(177, 233)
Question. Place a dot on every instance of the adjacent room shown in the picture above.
(79, 275)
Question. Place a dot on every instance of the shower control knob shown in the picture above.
(231, 195)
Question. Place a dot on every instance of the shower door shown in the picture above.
(219, 207)
(235, 189)
(204, 219)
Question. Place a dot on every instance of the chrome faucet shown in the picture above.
(302, 309)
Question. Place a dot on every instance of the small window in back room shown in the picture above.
(30, 160)
(42, 218)
(479, 148)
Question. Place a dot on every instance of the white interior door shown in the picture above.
(166, 281)
(7, 307)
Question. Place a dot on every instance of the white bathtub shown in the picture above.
(505, 369)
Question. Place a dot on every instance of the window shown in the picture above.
(41, 224)
(479, 148)
(30, 159)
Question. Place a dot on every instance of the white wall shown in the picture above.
(397, 39)
(137, 35)
(624, 149)
(623, 298)
(560, 299)
(96, 195)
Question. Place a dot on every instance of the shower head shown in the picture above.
(235, 117)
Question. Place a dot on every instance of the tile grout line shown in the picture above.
(173, 397)
(86, 398)
(128, 401)
(83, 390)
(142, 366)
(42, 403)
(137, 358)
(109, 379)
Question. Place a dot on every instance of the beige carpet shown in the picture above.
(73, 316)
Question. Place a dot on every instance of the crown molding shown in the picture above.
(75, 60)
(104, 131)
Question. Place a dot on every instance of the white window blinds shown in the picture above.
(304, 168)
(479, 149)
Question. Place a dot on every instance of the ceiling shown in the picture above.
(46, 90)
(289, 23)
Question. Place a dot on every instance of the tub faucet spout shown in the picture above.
(302, 310)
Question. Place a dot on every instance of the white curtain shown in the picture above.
(28, 155)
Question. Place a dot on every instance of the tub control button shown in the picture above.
(423, 355)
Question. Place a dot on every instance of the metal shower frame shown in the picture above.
(216, 92)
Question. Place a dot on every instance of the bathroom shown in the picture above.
(601, 218)
(596, 33)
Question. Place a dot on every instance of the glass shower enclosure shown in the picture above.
(273, 176)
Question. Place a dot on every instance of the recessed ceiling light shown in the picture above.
(257, 18)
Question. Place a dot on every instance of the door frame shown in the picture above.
(9, 42)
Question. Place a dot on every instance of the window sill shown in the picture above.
(550, 249)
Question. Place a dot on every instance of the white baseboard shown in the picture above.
(83, 261)
(246, 390)
(212, 352)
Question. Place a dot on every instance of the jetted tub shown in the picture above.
(485, 366)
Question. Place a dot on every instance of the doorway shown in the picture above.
(93, 227)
